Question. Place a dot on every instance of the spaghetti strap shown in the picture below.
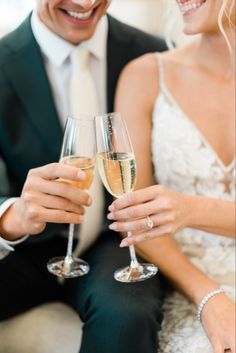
(162, 84)
(161, 72)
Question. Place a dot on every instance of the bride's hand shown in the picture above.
(168, 210)
(218, 319)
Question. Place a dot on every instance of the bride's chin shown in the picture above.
(197, 23)
(201, 25)
(192, 28)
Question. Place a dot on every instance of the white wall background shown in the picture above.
(148, 15)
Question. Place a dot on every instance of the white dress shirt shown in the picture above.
(56, 55)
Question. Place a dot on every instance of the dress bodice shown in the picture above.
(184, 161)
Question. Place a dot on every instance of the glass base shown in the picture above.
(67, 269)
(130, 274)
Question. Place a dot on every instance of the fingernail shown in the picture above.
(110, 216)
(113, 226)
(81, 175)
(124, 244)
(111, 208)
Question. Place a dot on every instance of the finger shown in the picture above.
(134, 198)
(61, 189)
(134, 212)
(36, 228)
(140, 225)
(52, 202)
(58, 170)
(232, 346)
(217, 347)
(58, 216)
(154, 233)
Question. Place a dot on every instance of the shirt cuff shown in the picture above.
(5, 245)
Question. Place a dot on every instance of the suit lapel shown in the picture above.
(26, 65)
(117, 47)
(117, 57)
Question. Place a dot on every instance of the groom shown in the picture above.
(35, 71)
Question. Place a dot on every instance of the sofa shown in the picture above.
(49, 328)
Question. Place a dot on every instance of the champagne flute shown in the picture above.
(78, 149)
(117, 168)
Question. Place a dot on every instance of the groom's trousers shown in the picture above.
(118, 317)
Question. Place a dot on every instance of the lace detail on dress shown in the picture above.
(185, 162)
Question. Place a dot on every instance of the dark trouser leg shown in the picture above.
(118, 317)
(24, 279)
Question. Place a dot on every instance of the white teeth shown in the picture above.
(190, 5)
(80, 15)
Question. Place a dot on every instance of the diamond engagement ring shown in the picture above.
(149, 223)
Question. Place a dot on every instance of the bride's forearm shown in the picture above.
(212, 215)
(183, 275)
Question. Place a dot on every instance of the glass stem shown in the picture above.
(68, 257)
(134, 262)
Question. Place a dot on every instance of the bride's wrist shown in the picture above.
(205, 300)
(195, 209)
(205, 286)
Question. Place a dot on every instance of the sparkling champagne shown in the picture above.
(86, 164)
(117, 171)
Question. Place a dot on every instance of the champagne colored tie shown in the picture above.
(82, 88)
(84, 101)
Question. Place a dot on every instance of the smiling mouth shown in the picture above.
(80, 15)
(187, 6)
(77, 15)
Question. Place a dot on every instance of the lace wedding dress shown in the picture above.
(185, 162)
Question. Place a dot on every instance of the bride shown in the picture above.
(180, 110)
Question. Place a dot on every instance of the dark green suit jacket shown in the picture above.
(30, 133)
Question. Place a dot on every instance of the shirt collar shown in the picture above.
(57, 50)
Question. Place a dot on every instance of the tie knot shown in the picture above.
(80, 58)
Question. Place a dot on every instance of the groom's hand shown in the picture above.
(46, 200)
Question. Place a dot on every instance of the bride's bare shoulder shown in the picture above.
(141, 67)
(138, 77)
(181, 55)
(145, 68)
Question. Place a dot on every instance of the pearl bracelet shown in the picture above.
(205, 300)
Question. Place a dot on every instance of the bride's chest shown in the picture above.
(184, 159)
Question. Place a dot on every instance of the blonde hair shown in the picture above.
(226, 10)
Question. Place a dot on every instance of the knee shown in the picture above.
(130, 316)
(127, 328)
(121, 321)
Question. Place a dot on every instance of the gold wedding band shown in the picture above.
(149, 223)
